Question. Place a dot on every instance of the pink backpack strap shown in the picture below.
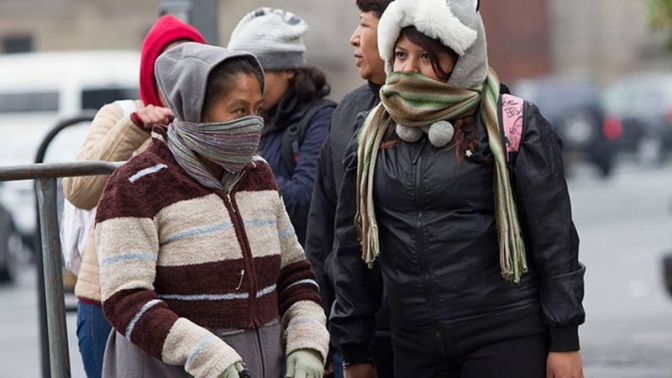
(512, 122)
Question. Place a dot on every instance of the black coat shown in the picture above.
(439, 250)
(320, 232)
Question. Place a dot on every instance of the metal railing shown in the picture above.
(51, 302)
(45, 176)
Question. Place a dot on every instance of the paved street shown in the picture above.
(625, 228)
(624, 225)
(19, 332)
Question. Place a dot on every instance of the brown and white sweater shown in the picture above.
(176, 257)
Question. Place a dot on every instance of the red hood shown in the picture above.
(166, 29)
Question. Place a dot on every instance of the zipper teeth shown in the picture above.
(423, 252)
(247, 255)
(233, 208)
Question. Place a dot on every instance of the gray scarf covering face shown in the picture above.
(231, 145)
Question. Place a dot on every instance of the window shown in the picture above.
(17, 44)
(29, 102)
(96, 98)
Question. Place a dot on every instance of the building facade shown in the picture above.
(518, 38)
(603, 39)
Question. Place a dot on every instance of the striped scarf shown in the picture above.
(231, 145)
(415, 100)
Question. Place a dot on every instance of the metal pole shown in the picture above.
(202, 14)
(59, 358)
(204, 17)
(53, 331)
(41, 308)
(42, 311)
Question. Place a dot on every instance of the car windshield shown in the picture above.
(95, 98)
(29, 102)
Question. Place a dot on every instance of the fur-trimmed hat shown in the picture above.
(455, 23)
(275, 36)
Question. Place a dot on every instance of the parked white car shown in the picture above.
(39, 89)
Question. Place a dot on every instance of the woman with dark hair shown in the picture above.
(296, 111)
(472, 232)
(201, 272)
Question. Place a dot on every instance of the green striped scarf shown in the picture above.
(415, 100)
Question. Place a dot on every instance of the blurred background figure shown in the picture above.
(117, 132)
(320, 236)
(296, 112)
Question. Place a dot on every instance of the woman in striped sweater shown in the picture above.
(201, 272)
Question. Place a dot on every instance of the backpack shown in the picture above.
(293, 137)
(511, 125)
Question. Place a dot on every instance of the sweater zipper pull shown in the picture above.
(228, 196)
(242, 275)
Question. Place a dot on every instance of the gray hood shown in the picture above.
(182, 74)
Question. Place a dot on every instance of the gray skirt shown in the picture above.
(262, 350)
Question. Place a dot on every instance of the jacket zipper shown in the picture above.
(423, 252)
(239, 227)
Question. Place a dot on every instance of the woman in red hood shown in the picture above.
(118, 131)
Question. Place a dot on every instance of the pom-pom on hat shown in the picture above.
(455, 23)
(275, 36)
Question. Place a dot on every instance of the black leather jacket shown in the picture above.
(439, 251)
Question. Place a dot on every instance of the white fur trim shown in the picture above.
(433, 18)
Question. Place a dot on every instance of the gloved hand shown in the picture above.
(232, 371)
(304, 363)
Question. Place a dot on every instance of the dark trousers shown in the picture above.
(383, 354)
(515, 358)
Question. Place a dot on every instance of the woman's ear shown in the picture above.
(290, 74)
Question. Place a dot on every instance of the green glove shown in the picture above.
(232, 371)
(304, 363)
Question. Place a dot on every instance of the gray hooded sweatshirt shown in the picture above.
(182, 75)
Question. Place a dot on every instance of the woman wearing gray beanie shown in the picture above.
(467, 221)
(296, 111)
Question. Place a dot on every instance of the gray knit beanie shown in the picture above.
(274, 36)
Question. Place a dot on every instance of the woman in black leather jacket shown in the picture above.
(474, 239)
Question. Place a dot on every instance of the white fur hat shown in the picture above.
(456, 23)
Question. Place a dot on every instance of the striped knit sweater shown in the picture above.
(176, 257)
